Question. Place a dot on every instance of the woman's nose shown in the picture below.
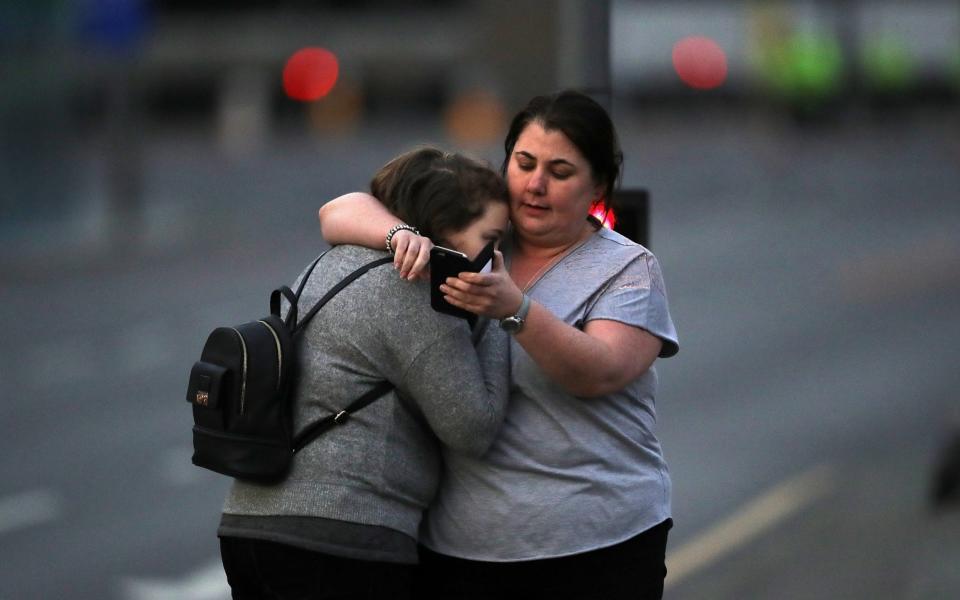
(537, 183)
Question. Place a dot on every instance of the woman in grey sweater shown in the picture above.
(344, 523)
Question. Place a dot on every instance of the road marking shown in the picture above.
(749, 522)
(208, 583)
(28, 508)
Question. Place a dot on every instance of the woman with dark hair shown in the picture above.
(573, 498)
(344, 523)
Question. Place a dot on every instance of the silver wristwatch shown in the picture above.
(514, 324)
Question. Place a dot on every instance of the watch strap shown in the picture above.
(514, 324)
(524, 308)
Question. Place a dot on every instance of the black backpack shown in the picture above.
(241, 388)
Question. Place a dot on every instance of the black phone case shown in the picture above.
(449, 263)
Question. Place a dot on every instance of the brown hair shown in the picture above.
(437, 192)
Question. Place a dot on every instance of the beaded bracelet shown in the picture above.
(394, 230)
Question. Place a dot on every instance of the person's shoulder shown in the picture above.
(339, 262)
(383, 277)
(382, 296)
(345, 258)
(617, 246)
(610, 255)
(350, 253)
(398, 298)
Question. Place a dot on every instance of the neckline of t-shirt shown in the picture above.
(570, 252)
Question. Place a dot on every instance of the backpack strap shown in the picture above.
(314, 431)
(336, 289)
(275, 304)
(306, 275)
(293, 299)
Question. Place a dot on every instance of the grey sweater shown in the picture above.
(381, 468)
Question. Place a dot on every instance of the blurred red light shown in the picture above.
(607, 218)
(310, 74)
(700, 62)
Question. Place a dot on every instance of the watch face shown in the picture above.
(511, 324)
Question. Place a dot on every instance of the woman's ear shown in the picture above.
(600, 193)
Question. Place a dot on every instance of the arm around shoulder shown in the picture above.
(359, 218)
(355, 218)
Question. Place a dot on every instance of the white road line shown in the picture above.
(28, 508)
(208, 583)
(749, 522)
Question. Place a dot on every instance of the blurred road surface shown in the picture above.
(813, 277)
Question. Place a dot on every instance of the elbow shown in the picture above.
(597, 383)
(323, 215)
(329, 228)
(470, 448)
(474, 449)
(477, 440)
(583, 389)
(477, 444)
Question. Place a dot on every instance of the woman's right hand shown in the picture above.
(411, 255)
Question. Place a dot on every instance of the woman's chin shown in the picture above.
(533, 218)
(531, 227)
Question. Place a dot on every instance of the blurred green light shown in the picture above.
(815, 65)
(888, 65)
(804, 67)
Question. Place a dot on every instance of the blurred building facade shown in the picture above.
(206, 60)
(115, 70)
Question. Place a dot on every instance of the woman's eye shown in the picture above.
(525, 166)
(562, 174)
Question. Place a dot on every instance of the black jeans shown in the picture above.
(266, 570)
(633, 569)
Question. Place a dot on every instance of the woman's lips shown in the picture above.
(535, 207)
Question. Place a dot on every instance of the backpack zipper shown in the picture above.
(243, 374)
(276, 339)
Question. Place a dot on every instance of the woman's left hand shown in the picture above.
(411, 255)
(491, 294)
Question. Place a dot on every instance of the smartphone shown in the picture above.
(444, 263)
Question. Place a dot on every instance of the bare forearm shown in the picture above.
(582, 364)
(600, 359)
(359, 218)
(355, 218)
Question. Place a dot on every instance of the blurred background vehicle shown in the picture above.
(801, 160)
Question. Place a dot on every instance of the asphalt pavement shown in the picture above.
(812, 273)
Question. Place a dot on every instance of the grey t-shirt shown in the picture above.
(567, 474)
